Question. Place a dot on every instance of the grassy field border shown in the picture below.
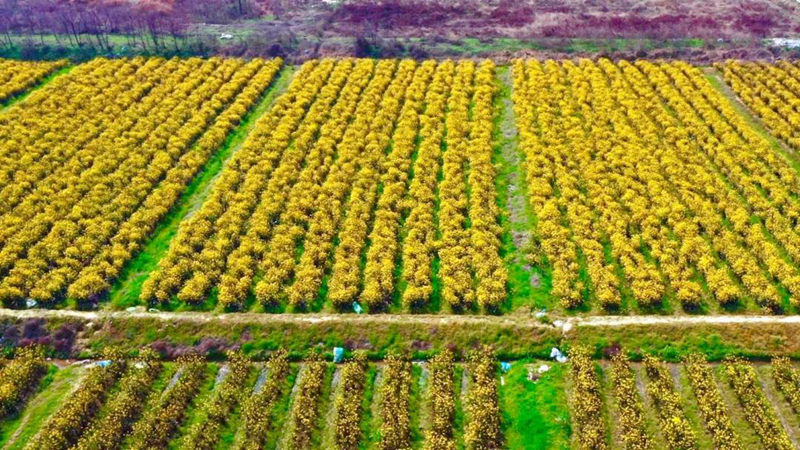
(418, 336)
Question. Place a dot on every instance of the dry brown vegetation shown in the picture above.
(576, 18)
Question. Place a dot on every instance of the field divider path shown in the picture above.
(565, 324)
(513, 193)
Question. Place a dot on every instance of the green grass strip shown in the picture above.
(535, 414)
(194, 412)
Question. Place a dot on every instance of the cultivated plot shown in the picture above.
(381, 185)
(146, 403)
(772, 91)
(368, 181)
(92, 161)
(18, 76)
(652, 192)
(451, 400)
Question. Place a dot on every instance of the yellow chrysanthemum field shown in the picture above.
(397, 253)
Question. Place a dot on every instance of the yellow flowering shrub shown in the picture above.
(645, 177)
(18, 76)
(114, 145)
(758, 411)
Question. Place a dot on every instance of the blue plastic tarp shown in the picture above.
(338, 354)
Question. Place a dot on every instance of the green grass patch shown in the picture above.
(232, 424)
(535, 414)
(372, 438)
(281, 411)
(414, 404)
(459, 419)
(366, 405)
(156, 390)
(325, 403)
(512, 192)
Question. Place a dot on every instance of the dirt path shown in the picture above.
(566, 324)
(624, 321)
(515, 201)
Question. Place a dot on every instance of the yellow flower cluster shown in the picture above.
(648, 174)
(710, 403)
(392, 171)
(348, 402)
(326, 180)
(335, 154)
(420, 225)
(457, 289)
(115, 143)
(631, 419)
(661, 389)
(484, 232)
(19, 378)
(587, 401)
(468, 243)
(772, 91)
(68, 423)
(395, 391)
(124, 407)
(306, 406)
(787, 379)
(441, 402)
(483, 430)
(157, 426)
(256, 413)
(227, 396)
(251, 218)
(361, 154)
(18, 76)
(197, 255)
(757, 408)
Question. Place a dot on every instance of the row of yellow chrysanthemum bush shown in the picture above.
(143, 402)
(322, 189)
(661, 389)
(646, 178)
